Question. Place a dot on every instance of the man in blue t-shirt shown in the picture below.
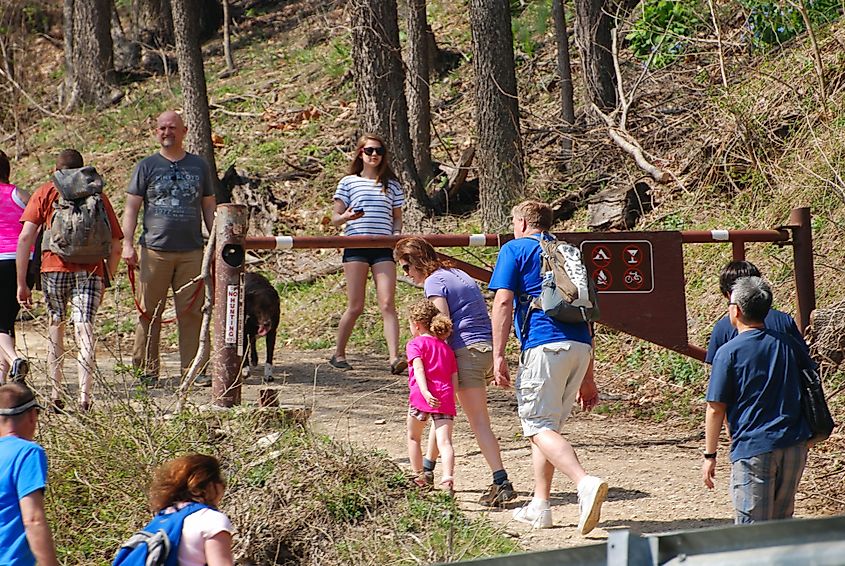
(25, 536)
(755, 382)
(555, 369)
(723, 331)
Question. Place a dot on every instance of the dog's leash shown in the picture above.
(144, 314)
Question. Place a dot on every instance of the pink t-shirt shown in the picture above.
(11, 208)
(439, 362)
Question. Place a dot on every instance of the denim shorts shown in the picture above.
(371, 256)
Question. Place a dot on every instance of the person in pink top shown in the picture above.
(12, 203)
(433, 379)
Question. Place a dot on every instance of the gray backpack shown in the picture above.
(79, 230)
(568, 293)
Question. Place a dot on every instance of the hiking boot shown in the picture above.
(497, 494)
(541, 519)
(398, 366)
(592, 492)
(19, 371)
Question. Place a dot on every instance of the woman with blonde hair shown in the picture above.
(457, 295)
(368, 202)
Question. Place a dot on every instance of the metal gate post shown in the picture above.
(231, 225)
(802, 254)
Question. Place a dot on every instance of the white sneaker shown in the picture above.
(538, 519)
(592, 492)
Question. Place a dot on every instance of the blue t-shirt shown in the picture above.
(470, 320)
(361, 193)
(756, 376)
(23, 470)
(518, 269)
(723, 331)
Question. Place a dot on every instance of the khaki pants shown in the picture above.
(160, 271)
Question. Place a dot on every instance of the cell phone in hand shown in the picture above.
(358, 210)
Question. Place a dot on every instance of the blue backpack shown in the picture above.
(157, 544)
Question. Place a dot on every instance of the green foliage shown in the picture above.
(346, 503)
(662, 30)
(772, 23)
(531, 23)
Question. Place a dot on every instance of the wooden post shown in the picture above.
(231, 225)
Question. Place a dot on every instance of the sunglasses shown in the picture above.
(406, 267)
(372, 150)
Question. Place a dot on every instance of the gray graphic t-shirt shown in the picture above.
(172, 193)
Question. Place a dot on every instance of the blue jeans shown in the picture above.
(763, 487)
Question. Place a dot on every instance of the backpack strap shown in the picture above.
(525, 298)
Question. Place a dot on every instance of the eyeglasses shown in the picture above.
(406, 267)
(731, 303)
(372, 150)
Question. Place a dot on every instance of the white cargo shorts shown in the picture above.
(547, 383)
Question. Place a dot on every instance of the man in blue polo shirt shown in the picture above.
(25, 536)
(723, 330)
(554, 371)
(755, 382)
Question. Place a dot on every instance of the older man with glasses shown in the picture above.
(755, 381)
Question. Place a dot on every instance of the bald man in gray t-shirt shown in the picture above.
(177, 192)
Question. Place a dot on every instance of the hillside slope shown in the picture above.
(742, 157)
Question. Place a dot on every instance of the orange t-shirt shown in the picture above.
(39, 211)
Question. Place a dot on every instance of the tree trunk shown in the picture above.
(88, 54)
(192, 80)
(500, 159)
(379, 82)
(567, 98)
(592, 35)
(155, 22)
(419, 74)
(227, 41)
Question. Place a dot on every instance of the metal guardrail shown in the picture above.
(794, 542)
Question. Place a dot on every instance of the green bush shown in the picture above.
(662, 30)
(772, 23)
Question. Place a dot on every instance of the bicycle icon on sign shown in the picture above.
(633, 279)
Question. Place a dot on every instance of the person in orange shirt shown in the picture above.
(80, 284)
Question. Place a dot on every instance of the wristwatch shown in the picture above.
(710, 455)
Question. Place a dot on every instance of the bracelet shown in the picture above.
(710, 455)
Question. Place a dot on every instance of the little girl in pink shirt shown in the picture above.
(433, 379)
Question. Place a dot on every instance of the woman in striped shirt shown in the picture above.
(368, 202)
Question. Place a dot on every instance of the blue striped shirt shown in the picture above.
(360, 193)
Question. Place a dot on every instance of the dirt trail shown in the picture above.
(653, 471)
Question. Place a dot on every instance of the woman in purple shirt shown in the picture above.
(456, 294)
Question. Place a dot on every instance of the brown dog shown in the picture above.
(261, 318)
